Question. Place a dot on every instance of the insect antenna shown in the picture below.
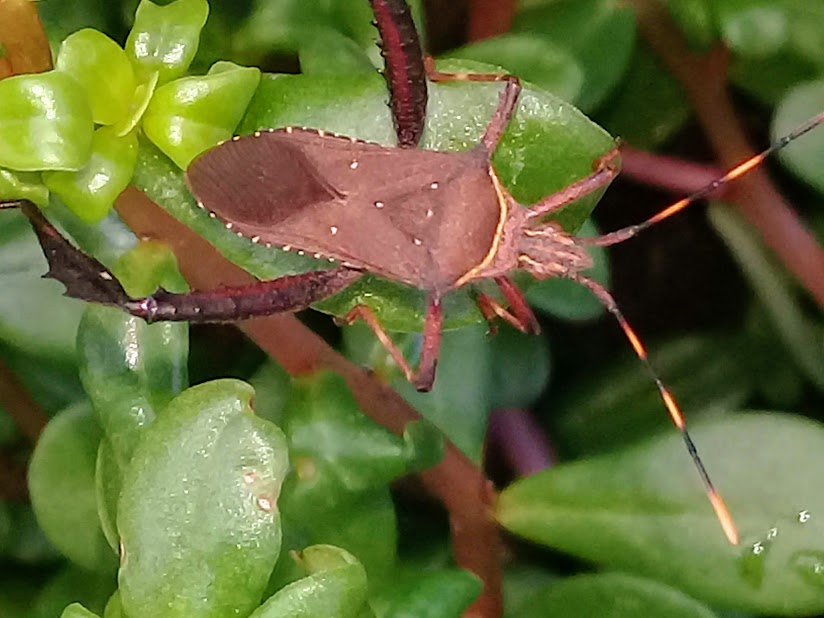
(718, 505)
(739, 170)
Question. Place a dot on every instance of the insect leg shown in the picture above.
(718, 505)
(736, 172)
(424, 376)
(506, 104)
(518, 305)
(519, 315)
(605, 169)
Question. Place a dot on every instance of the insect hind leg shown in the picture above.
(424, 376)
(718, 505)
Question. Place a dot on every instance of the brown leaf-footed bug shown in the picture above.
(345, 200)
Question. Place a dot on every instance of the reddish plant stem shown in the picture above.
(704, 79)
(19, 404)
(488, 18)
(459, 484)
(678, 176)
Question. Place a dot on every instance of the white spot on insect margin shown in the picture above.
(429, 213)
(353, 165)
(434, 185)
(289, 130)
(333, 230)
(106, 276)
(271, 130)
(256, 239)
(257, 133)
(379, 204)
(417, 241)
(236, 138)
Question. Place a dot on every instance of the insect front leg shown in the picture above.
(605, 169)
(424, 376)
(519, 314)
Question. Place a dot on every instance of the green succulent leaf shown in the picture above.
(633, 510)
(130, 371)
(804, 156)
(35, 317)
(45, 123)
(336, 587)
(101, 68)
(612, 594)
(198, 514)
(90, 192)
(599, 34)
(76, 610)
(190, 115)
(164, 39)
(445, 593)
(146, 266)
(23, 186)
(531, 57)
(61, 482)
(328, 51)
(752, 28)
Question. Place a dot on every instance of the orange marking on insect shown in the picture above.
(672, 408)
(723, 514)
(668, 212)
(639, 348)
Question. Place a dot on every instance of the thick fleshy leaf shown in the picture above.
(647, 85)
(61, 482)
(620, 404)
(90, 191)
(600, 34)
(804, 156)
(634, 510)
(146, 266)
(76, 610)
(102, 69)
(797, 332)
(520, 368)
(328, 51)
(324, 423)
(336, 587)
(696, 20)
(164, 39)
(460, 400)
(549, 144)
(23, 186)
(531, 57)
(616, 595)
(198, 514)
(130, 371)
(191, 114)
(34, 315)
(444, 593)
(752, 27)
(73, 585)
(45, 123)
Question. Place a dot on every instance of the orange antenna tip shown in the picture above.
(724, 517)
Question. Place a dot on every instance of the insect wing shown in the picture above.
(373, 207)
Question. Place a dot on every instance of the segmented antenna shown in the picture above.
(739, 170)
(605, 297)
(718, 505)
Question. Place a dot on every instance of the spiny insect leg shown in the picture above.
(518, 315)
(718, 505)
(518, 305)
(605, 169)
(739, 170)
(506, 104)
(424, 376)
